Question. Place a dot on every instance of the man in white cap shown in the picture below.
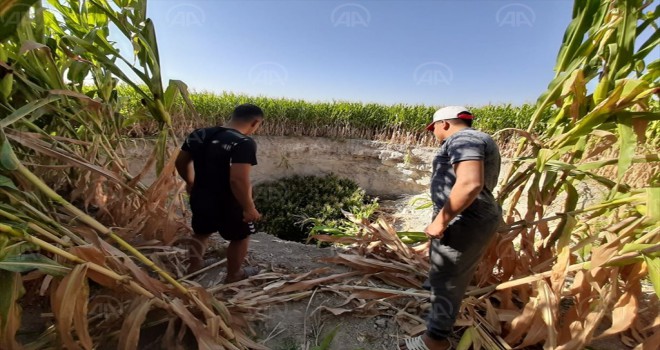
(465, 219)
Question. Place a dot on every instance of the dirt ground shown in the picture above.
(296, 325)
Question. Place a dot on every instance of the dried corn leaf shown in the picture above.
(521, 324)
(69, 305)
(548, 305)
(309, 284)
(202, 334)
(11, 291)
(129, 336)
(624, 313)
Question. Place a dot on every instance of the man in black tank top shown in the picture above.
(219, 187)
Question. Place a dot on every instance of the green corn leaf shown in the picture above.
(653, 204)
(467, 339)
(180, 87)
(7, 158)
(149, 43)
(627, 33)
(26, 110)
(653, 265)
(424, 206)
(327, 229)
(161, 151)
(29, 262)
(635, 247)
(572, 196)
(412, 237)
(7, 182)
(543, 157)
(627, 142)
(648, 46)
(96, 17)
(327, 341)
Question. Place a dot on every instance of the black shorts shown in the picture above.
(228, 222)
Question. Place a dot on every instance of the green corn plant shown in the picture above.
(616, 239)
(396, 123)
(55, 130)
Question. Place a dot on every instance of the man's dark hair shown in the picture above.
(467, 122)
(247, 112)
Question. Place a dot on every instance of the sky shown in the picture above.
(434, 52)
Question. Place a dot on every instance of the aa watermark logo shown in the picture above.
(20, 12)
(506, 250)
(106, 307)
(350, 15)
(268, 73)
(433, 74)
(515, 15)
(196, 137)
(192, 247)
(441, 308)
(186, 15)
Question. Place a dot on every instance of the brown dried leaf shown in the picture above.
(371, 294)
(521, 324)
(624, 313)
(547, 304)
(130, 329)
(94, 255)
(309, 284)
(584, 332)
(600, 255)
(65, 156)
(72, 291)
(334, 311)
(537, 333)
(10, 318)
(492, 317)
(399, 280)
(605, 142)
(364, 263)
(203, 336)
(249, 343)
(90, 102)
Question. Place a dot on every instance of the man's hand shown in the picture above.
(251, 215)
(435, 229)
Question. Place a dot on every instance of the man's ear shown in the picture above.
(446, 125)
(255, 123)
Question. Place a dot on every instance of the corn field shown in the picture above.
(398, 123)
(77, 228)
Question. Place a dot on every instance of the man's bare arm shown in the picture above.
(469, 182)
(239, 179)
(183, 165)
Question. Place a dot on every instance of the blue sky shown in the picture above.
(432, 52)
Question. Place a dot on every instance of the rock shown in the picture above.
(381, 322)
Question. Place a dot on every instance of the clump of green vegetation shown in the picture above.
(292, 207)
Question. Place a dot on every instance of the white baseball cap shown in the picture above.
(450, 112)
